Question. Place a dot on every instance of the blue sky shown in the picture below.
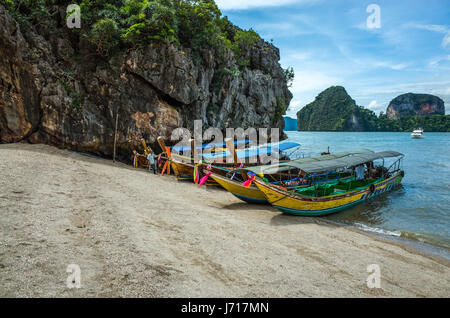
(329, 43)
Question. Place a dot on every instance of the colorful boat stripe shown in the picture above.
(315, 206)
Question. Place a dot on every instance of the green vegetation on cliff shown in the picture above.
(436, 123)
(122, 23)
(116, 25)
(335, 110)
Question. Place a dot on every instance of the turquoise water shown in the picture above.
(420, 209)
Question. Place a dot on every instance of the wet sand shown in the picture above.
(135, 234)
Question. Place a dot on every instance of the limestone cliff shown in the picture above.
(335, 110)
(55, 89)
(410, 104)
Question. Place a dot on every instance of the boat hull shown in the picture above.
(182, 171)
(185, 171)
(317, 206)
(249, 195)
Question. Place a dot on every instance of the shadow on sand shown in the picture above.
(288, 219)
(243, 206)
(279, 218)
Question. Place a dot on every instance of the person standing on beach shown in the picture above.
(152, 161)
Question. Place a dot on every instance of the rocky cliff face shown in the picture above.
(54, 91)
(335, 110)
(410, 104)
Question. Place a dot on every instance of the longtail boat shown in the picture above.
(219, 162)
(141, 159)
(321, 199)
(233, 180)
(249, 194)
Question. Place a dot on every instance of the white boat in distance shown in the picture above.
(417, 133)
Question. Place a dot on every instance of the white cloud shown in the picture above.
(431, 87)
(294, 107)
(279, 30)
(390, 65)
(439, 61)
(446, 41)
(306, 81)
(373, 104)
(298, 57)
(430, 27)
(377, 107)
(435, 28)
(250, 4)
(366, 63)
(371, 64)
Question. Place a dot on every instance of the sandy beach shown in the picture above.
(136, 234)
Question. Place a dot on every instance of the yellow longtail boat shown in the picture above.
(185, 168)
(251, 194)
(220, 161)
(232, 182)
(322, 199)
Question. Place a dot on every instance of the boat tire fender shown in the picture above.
(402, 173)
(372, 188)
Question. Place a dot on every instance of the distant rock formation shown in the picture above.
(335, 110)
(290, 124)
(410, 104)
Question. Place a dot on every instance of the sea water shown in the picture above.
(420, 209)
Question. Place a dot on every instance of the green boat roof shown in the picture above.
(280, 167)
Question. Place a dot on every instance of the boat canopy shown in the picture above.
(253, 152)
(337, 163)
(280, 167)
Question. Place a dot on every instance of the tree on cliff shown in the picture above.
(161, 64)
(116, 25)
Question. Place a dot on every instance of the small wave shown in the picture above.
(434, 240)
(426, 238)
(377, 230)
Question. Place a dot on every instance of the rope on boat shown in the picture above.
(196, 173)
(234, 174)
(248, 183)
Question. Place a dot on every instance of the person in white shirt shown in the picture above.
(360, 171)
